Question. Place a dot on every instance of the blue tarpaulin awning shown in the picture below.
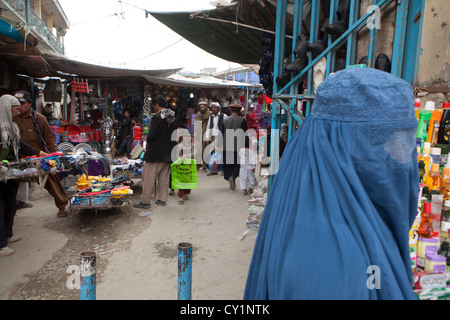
(7, 30)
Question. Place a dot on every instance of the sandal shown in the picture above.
(62, 214)
(185, 197)
(180, 201)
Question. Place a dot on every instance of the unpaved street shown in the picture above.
(137, 256)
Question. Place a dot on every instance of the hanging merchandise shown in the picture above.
(80, 90)
(53, 90)
(73, 104)
(107, 125)
(146, 114)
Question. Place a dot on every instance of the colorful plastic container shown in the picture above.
(427, 247)
(435, 263)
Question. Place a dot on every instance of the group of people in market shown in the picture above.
(126, 125)
(23, 132)
(210, 125)
(337, 222)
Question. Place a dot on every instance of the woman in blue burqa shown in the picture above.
(341, 206)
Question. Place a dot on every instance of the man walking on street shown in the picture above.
(215, 122)
(158, 155)
(200, 142)
(35, 131)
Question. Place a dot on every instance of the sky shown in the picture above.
(118, 34)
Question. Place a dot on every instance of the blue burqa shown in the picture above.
(338, 215)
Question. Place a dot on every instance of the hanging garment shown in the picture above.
(53, 90)
(338, 215)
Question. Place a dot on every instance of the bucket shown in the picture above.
(91, 135)
(137, 132)
(54, 129)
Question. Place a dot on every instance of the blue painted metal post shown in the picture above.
(313, 33)
(280, 40)
(352, 37)
(88, 276)
(184, 271)
(373, 37)
(413, 41)
(331, 55)
(297, 30)
(398, 50)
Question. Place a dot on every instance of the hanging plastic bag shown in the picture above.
(216, 162)
(184, 174)
(252, 178)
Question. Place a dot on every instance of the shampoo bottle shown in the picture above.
(424, 121)
(433, 127)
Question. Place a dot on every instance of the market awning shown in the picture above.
(224, 39)
(34, 64)
(232, 32)
(177, 80)
(27, 59)
(86, 70)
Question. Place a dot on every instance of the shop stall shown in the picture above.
(101, 193)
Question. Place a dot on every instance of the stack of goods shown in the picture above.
(78, 134)
(429, 239)
(98, 192)
(34, 166)
(17, 170)
(256, 207)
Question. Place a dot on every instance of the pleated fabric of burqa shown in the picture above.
(341, 206)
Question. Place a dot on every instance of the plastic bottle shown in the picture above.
(437, 201)
(426, 227)
(417, 107)
(444, 125)
(433, 127)
(433, 179)
(426, 156)
(419, 153)
(421, 170)
(445, 183)
(436, 155)
(422, 128)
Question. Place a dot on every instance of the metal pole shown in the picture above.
(184, 271)
(88, 276)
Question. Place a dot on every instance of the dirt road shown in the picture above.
(136, 256)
